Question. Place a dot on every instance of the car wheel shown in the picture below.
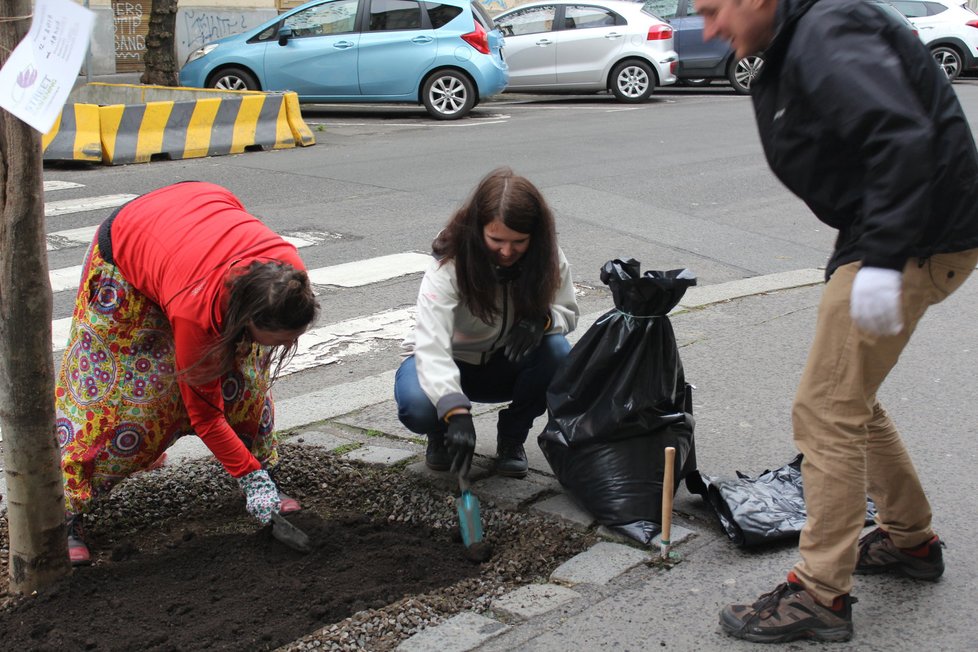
(743, 71)
(233, 79)
(948, 59)
(632, 81)
(448, 95)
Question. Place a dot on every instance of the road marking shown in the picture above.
(64, 207)
(84, 236)
(60, 185)
(65, 278)
(371, 270)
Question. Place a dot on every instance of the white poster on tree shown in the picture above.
(41, 71)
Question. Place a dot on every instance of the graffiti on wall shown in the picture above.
(203, 26)
(496, 6)
(129, 25)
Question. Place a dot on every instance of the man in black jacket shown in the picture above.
(858, 121)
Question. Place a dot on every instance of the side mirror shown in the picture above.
(284, 34)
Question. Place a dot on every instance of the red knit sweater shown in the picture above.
(177, 245)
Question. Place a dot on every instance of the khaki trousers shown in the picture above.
(850, 446)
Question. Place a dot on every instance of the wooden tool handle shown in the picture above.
(668, 476)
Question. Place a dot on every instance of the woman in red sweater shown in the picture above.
(187, 307)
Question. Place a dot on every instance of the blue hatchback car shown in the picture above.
(444, 54)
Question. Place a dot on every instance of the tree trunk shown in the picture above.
(161, 58)
(35, 494)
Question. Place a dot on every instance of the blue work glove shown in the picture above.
(261, 495)
(460, 442)
(524, 337)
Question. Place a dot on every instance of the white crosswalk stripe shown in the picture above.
(67, 206)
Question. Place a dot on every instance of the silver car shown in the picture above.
(589, 46)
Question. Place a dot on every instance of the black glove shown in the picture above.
(524, 337)
(460, 441)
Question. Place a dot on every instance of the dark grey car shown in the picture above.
(700, 62)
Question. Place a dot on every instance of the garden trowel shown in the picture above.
(289, 534)
(470, 522)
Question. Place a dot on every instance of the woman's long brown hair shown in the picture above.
(273, 296)
(512, 199)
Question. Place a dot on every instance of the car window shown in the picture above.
(691, 8)
(934, 8)
(389, 15)
(584, 16)
(440, 15)
(912, 9)
(532, 20)
(335, 17)
(662, 8)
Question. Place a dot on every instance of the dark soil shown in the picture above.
(180, 566)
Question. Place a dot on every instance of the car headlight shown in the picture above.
(201, 51)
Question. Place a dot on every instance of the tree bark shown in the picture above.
(35, 493)
(161, 59)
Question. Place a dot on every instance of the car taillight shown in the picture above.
(972, 23)
(659, 33)
(478, 39)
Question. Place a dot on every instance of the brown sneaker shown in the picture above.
(878, 554)
(788, 613)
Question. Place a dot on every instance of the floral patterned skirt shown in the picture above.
(117, 398)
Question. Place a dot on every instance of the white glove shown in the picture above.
(875, 303)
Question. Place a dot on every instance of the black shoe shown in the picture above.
(788, 613)
(436, 456)
(511, 459)
(878, 554)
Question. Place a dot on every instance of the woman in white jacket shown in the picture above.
(492, 314)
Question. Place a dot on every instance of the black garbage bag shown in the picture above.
(768, 508)
(619, 399)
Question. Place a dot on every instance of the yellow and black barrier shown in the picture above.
(155, 122)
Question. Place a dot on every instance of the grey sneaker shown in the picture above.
(788, 613)
(511, 459)
(436, 456)
(878, 554)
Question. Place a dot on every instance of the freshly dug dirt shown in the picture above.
(180, 565)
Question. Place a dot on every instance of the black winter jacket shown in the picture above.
(857, 120)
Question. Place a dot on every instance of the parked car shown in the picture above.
(701, 62)
(949, 28)
(587, 46)
(444, 54)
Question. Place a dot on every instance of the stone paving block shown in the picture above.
(563, 508)
(461, 633)
(508, 493)
(381, 417)
(599, 564)
(447, 480)
(380, 455)
(534, 600)
(318, 438)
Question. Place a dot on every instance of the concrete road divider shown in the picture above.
(136, 124)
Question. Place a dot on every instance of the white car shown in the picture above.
(949, 28)
(588, 46)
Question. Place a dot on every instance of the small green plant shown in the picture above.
(346, 448)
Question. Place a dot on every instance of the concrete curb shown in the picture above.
(130, 123)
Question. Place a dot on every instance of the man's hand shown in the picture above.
(261, 495)
(523, 338)
(875, 303)
(460, 441)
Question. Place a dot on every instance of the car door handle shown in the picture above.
(544, 42)
(343, 45)
(422, 39)
(611, 35)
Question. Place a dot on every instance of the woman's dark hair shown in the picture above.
(273, 296)
(505, 196)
